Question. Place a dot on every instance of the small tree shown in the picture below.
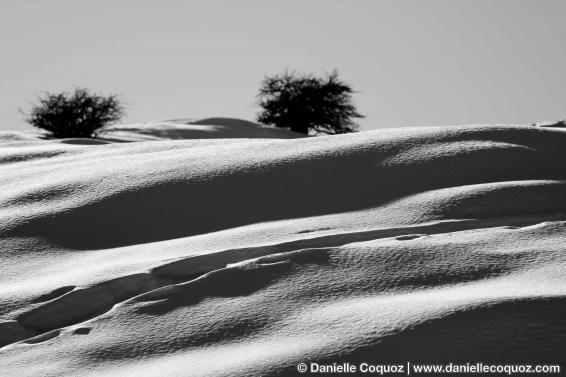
(77, 114)
(303, 102)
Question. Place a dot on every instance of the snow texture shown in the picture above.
(236, 249)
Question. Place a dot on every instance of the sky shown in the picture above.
(412, 62)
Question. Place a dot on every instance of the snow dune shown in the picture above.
(226, 252)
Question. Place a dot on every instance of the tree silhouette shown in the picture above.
(77, 114)
(303, 103)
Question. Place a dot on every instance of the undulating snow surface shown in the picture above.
(245, 256)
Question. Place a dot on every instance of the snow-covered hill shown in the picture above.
(231, 256)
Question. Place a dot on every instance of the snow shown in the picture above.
(223, 247)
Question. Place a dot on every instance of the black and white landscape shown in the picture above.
(224, 247)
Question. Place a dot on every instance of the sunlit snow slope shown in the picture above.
(228, 257)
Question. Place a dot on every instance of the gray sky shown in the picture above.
(415, 63)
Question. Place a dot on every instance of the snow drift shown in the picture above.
(226, 256)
